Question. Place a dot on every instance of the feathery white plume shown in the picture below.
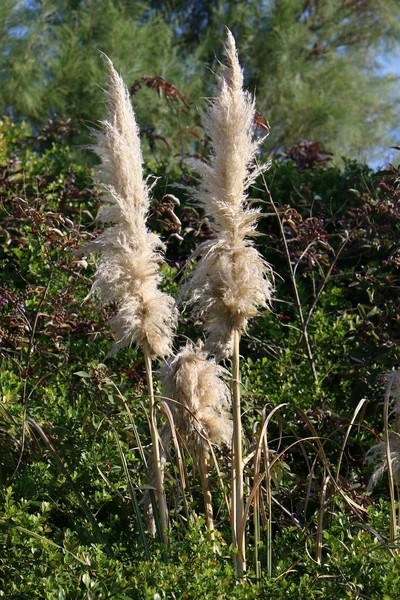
(201, 397)
(128, 273)
(231, 280)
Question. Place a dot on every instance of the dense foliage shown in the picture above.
(73, 425)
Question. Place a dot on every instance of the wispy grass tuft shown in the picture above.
(201, 397)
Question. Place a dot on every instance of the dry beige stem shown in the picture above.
(231, 280)
(128, 273)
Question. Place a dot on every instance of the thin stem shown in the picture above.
(30, 350)
(256, 518)
(237, 463)
(398, 505)
(161, 500)
(267, 464)
(205, 480)
(320, 525)
(393, 523)
(294, 284)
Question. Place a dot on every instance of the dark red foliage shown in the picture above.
(148, 131)
(56, 128)
(162, 87)
(307, 155)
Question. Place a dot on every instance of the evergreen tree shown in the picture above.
(315, 64)
(51, 63)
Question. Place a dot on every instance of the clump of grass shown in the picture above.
(231, 282)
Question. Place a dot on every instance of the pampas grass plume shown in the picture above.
(128, 273)
(231, 280)
(201, 397)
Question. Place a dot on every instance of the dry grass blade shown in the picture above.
(320, 524)
(179, 457)
(45, 540)
(393, 521)
(357, 410)
(209, 444)
(388, 451)
(259, 480)
(357, 508)
(263, 443)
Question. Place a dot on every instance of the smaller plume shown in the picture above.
(128, 273)
(231, 280)
(201, 398)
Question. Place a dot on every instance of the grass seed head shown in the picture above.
(231, 280)
(128, 273)
(201, 397)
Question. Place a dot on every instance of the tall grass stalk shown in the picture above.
(237, 460)
(231, 280)
(162, 501)
(320, 523)
(128, 274)
(205, 484)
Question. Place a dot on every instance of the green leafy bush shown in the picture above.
(341, 228)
